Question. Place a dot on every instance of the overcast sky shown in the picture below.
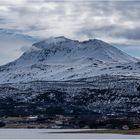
(114, 22)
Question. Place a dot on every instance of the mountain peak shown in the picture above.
(57, 39)
(96, 42)
(52, 41)
(74, 50)
(63, 50)
(61, 37)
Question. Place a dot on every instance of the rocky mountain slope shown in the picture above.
(104, 95)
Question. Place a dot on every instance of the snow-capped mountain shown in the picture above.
(60, 76)
(61, 50)
(60, 59)
(11, 41)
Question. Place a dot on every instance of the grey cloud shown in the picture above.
(3, 20)
(74, 18)
(133, 34)
(114, 31)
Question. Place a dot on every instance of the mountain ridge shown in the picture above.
(62, 43)
(60, 58)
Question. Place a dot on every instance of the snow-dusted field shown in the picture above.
(44, 134)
